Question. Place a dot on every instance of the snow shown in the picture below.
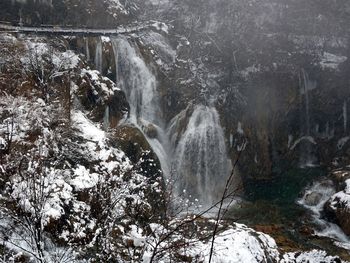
(66, 60)
(7, 38)
(105, 39)
(250, 70)
(234, 245)
(160, 26)
(342, 142)
(242, 245)
(331, 61)
(116, 5)
(161, 47)
(347, 187)
(101, 82)
(24, 117)
(56, 191)
(240, 129)
(77, 157)
(38, 49)
(313, 256)
(83, 178)
(61, 186)
(315, 41)
(159, 2)
(304, 138)
(87, 129)
(136, 236)
(342, 197)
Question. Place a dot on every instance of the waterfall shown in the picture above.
(345, 116)
(140, 87)
(98, 55)
(306, 85)
(106, 123)
(307, 104)
(201, 166)
(138, 83)
(87, 50)
(198, 152)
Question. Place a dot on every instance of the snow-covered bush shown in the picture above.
(65, 186)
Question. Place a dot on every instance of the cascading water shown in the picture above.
(201, 163)
(140, 86)
(106, 123)
(306, 85)
(345, 116)
(314, 199)
(98, 55)
(138, 82)
(201, 166)
(87, 50)
(305, 90)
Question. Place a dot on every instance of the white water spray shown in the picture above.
(199, 153)
(87, 50)
(345, 116)
(314, 200)
(106, 123)
(306, 85)
(98, 55)
(201, 166)
(140, 86)
(138, 82)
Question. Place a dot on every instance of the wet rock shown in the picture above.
(339, 177)
(312, 199)
(277, 232)
(339, 212)
(96, 92)
(338, 208)
(132, 142)
(306, 230)
(150, 130)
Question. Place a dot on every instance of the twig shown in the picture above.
(221, 204)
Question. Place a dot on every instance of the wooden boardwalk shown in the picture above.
(67, 31)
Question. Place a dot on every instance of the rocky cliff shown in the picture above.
(262, 81)
(276, 70)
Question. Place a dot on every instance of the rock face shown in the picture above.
(269, 77)
(275, 70)
(90, 13)
(338, 206)
(278, 81)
